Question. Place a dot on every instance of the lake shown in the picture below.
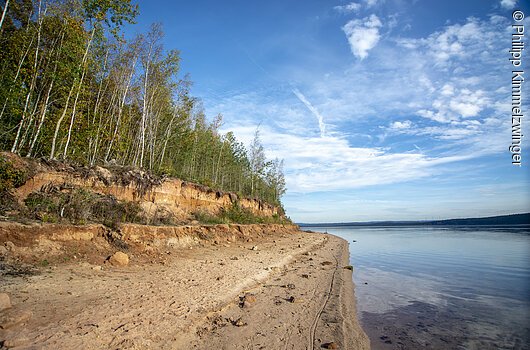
(441, 288)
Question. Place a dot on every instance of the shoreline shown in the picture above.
(280, 289)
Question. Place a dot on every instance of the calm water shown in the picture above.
(442, 288)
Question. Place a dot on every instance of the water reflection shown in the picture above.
(442, 288)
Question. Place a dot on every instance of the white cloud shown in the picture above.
(355, 6)
(363, 35)
(452, 104)
(351, 7)
(371, 3)
(438, 116)
(313, 110)
(466, 109)
(330, 163)
(449, 106)
(447, 90)
(455, 41)
(508, 4)
(469, 103)
(407, 124)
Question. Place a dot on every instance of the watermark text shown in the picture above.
(516, 58)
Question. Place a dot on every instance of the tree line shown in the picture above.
(72, 88)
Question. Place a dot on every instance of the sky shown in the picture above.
(381, 109)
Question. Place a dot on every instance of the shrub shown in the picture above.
(237, 215)
(206, 218)
(79, 206)
(10, 175)
(76, 205)
(111, 212)
(42, 206)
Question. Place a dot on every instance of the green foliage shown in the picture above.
(236, 214)
(206, 218)
(71, 87)
(38, 202)
(78, 206)
(111, 212)
(10, 175)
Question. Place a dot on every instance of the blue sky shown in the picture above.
(381, 109)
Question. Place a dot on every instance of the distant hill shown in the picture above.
(513, 219)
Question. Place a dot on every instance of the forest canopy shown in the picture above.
(72, 88)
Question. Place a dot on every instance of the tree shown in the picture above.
(276, 180)
(257, 161)
(72, 87)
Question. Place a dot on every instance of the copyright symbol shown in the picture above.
(518, 15)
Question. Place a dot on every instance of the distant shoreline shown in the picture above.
(512, 220)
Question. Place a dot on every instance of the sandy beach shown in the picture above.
(280, 290)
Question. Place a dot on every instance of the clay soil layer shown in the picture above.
(284, 289)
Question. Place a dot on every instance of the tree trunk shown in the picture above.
(58, 124)
(4, 14)
(15, 147)
(120, 110)
(41, 122)
(83, 63)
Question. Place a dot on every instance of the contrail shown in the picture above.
(313, 110)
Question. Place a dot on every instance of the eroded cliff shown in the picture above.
(169, 199)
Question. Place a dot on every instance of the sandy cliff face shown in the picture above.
(180, 198)
(35, 242)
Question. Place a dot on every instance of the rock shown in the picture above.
(12, 317)
(326, 263)
(247, 301)
(249, 240)
(299, 246)
(305, 275)
(330, 345)
(254, 248)
(348, 267)
(97, 268)
(223, 227)
(249, 298)
(3, 250)
(119, 259)
(10, 246)
(5, 302)
(291, 299)
(291, 286)
(220, 321)
(239, 323)
(234, 258)
(16, 342)
(104, 174)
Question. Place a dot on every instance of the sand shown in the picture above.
(279, 291)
